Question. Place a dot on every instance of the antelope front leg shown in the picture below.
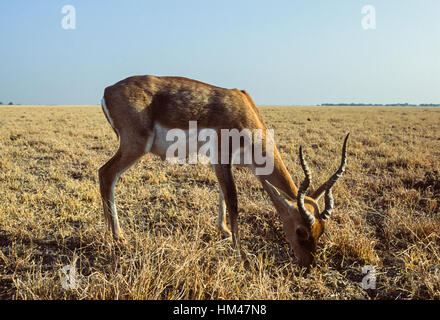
(229, 193)
(221, 221)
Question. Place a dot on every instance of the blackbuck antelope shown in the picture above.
(143, 109)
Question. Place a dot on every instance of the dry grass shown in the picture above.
(50, 211)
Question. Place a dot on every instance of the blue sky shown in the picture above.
(282, 52)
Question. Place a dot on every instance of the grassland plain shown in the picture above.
(387, 211)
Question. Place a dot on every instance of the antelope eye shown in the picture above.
(302, 233)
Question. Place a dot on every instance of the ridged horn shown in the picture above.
(307, 216)
(335, 177)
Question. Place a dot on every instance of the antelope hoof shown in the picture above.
(224, 232)
(243, 258)
(119, 239)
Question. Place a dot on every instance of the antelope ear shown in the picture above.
(279, 196)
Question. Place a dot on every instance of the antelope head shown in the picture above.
(303, 221)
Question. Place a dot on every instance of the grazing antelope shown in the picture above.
(143, 109)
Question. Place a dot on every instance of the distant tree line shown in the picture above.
(10, 103)
(386, 105)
